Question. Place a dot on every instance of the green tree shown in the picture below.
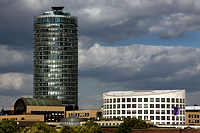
(90, 123)
(67, 129)
(131, 123)
(88, 127)
(40, 128)
(31, 130)
(81, 129)
(9, 126)
(45, 128)
(95, 129)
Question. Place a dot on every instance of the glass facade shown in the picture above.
(55, 69)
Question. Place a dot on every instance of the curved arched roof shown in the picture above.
(40, 102)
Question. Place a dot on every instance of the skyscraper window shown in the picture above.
(55, 69)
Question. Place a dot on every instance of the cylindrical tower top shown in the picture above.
(57, 8)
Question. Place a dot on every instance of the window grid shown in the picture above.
(162, 108)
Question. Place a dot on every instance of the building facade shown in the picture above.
(192, 115)
(86, 113)
(155, 105)
(51, 109)
(55, 61)
(114, 123)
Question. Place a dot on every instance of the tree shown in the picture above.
(88, 127)
(92, 118)
(81, 129)
(31, 130)
(45, 128)
(67, 129)
(9, 126)
(40, 128)
(90, 123)
(131, 123)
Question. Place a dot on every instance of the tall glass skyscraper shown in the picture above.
(55, 69)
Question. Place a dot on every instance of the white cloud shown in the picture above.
(137, 67)
(122, 21)
(108, 21)
(13, 57)
(94, 13)
(132, 67)
(166, 18)
(15, 81)
(14, 86)
(155, 28)
(139, 64)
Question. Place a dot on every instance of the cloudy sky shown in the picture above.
(123, 45)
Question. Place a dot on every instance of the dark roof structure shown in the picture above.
(73, 118)
(39, 102)
(57, 8)
(71, 121)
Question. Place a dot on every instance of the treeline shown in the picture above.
(10, 126)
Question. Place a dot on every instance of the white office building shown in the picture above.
(154, 105)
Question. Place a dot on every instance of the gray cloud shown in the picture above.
(102, 21)
(115, 21)
(14, 86)
(15, 60)
(7, 101)
(142, 67)
(130, 67)
(193, 98)
(85, 102)
(16, 81)
(138, 67)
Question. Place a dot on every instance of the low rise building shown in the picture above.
(85, 113)
(20, 118)
(192, 115)
(114, 123)
(28, 109)
(154, 105)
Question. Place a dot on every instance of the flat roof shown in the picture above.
(139, 93)
(192, 107)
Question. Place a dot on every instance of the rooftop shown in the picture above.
(194, 107)
(57, 8)
(39, 102)
(139, 93)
